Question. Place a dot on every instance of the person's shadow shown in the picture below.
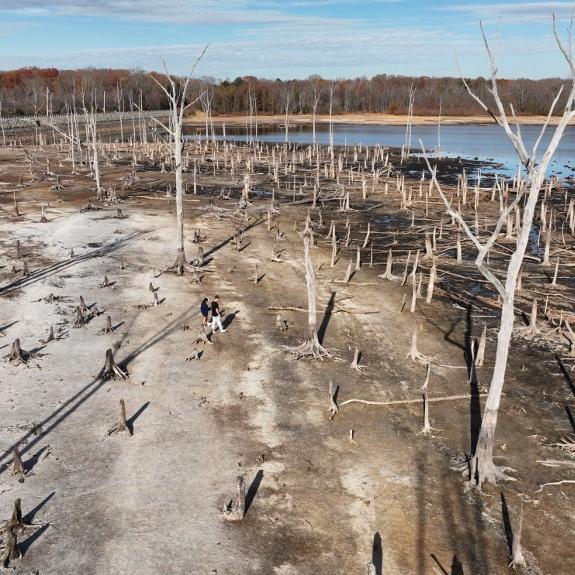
(229, 318)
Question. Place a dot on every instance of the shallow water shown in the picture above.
(481, 141)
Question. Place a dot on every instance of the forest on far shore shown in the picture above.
(30, 91)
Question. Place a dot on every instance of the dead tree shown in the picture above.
(17, 465)
(176, 92)
(311, 347)
(333, 409)
(482, 466)
(532, 328)
(121, 424)
(426, 429)
(111, 369)
(235, 510)
(355, 363)
(480, 357)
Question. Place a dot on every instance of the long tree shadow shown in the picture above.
(29, 464)
(130, 422)
(456, 566)
(5, 327)
(474, 403)
(59, 267)
(31, 515)
(377, 554)
(27, 543)
(465, 527)
(253, 489)
(48, 424)
(565, 373)
(326, 317)
(508, 532)
(225, 242)
(570, 417)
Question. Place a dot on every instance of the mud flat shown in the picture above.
(324, 495)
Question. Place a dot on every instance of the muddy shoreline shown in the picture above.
(319, 502)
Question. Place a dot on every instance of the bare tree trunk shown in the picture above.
(311, 347)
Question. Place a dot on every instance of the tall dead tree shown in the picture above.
(311, 347)
(535, 165)
(314, 82)
(176, 92)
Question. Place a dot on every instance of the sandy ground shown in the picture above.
(318, 503)
(384, 119)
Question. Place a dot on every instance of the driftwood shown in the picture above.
(411, 401)
(517, 558)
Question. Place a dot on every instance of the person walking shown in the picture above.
(205, 311)
(216, 316)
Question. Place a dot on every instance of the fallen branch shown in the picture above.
(408, 401)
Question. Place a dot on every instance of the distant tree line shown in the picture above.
(35, 91)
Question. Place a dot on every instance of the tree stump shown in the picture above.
(17, 465)
(111, 369)
(235, 510)
(17, 355)
(121, 425)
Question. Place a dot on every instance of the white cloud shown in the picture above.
(514, 12)
(173, 11)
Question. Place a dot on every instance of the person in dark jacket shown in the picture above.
(216, 316)
(205, 310)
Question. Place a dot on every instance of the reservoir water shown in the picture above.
(473, 141)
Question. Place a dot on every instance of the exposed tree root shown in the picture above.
(309, 349)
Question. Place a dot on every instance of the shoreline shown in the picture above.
(370, 119)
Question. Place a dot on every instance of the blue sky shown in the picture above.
(284, 38)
